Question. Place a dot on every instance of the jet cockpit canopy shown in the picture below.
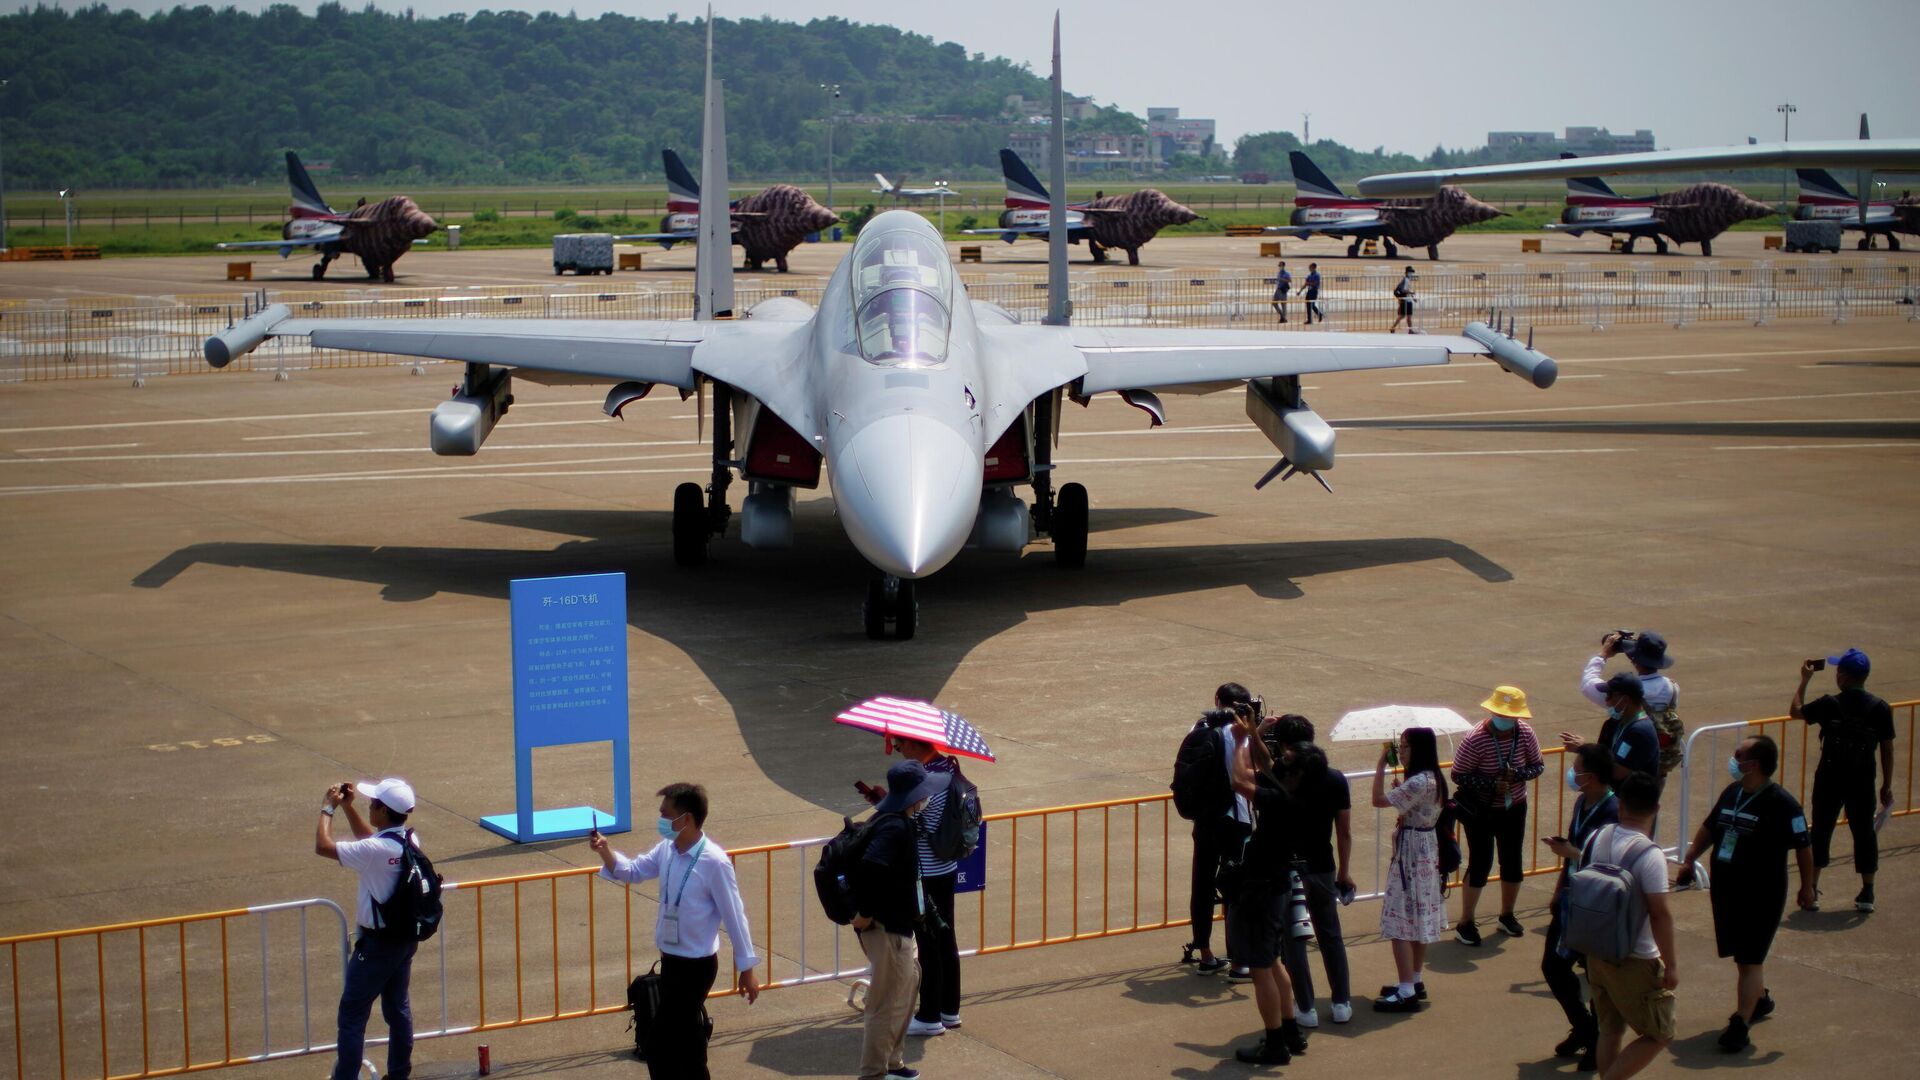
(902, 289)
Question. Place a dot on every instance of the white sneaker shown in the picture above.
(951, 1020)
(1342, 1012)
(918, 1026)
(1308, 1019)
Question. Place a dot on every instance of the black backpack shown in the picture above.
(412, 913)
(833, 874)
(1447, 841)
(1200, 788)
(958, 833)
(643, 998)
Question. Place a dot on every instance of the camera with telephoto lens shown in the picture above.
(1299, 921)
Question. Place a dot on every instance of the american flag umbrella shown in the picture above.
(903, 718)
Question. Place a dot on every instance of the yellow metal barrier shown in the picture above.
(1054, 875)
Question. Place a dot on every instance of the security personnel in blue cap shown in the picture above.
(1852, 723)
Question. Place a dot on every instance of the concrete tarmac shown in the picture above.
(205, 275)
(224, 593)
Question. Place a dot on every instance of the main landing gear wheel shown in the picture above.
(1070, 527)
(689, 525)
(1706, 249)
(1353, 250)
(1392, 252)
(890, 602)
(1433, 252)
(1627, 248)
(1659, 245)
(319, 271)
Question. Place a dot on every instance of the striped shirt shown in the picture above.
(1484, 753)
(928, 823)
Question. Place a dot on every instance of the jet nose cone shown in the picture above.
(907, 489)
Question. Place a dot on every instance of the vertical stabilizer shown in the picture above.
(1821, 188)
(1024, 190)
(1059, 304)
(885, 187)
(1586, 188)
(683, 191)
(713, 272)
(307, 202)
(1863, 127)
(1310, 181)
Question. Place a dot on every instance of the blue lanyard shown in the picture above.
(1740, 805)
(1580, 819)
(691, 863)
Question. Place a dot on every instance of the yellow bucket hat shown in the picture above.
(1508, 701)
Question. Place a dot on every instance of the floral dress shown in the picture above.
(1415, 909)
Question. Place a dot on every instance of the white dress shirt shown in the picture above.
(1661, 691)
(710, 900)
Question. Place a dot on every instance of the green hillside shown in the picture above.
(201, 97)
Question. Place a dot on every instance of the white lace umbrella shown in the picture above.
(1386, 722)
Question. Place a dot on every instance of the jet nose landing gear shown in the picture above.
(890, 609)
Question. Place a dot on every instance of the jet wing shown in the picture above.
(1011, 232)
(1377, 228)
(1144, 358)
(310, 240)
(688, 236)
(1885, 155)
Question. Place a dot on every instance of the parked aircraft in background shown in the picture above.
(939, 190)
(926, 409)
(1322, 209)
(768, 225)
(1106, 222)
(379, 233)
(1823, 198)
(1694, 214)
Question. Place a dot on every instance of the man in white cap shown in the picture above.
(382, 963)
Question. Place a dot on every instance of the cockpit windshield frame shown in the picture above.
(901, 283)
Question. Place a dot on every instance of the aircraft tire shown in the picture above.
(1070, 527)
(1706, 249)
(1893, 242)
(906, 611)
(1863, 243)
(689, 525)
(873, 612)
(1433, 252)
(1353, 250)
(1392, 252)
(319, 271)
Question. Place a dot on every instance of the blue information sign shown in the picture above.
(569, 686)
(972, 873)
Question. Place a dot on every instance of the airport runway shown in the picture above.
(223, 593)
(1179, 255)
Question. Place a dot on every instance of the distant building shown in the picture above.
(1585, 141)
(1026, 108)
(1171, 135)
(1087, 154)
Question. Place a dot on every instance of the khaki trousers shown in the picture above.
(893, 982)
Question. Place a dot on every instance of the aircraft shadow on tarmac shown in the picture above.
(1762, 429)
(779, 633)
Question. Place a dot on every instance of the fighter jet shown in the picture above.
(925, 409)
(768, 225)
(1823, 198)
(1693, 214)
(378, 233)
(1108, 221)
(899, 191)
(1322, 208)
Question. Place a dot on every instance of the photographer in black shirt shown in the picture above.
(1258, 889)
(1322, 815)
(1852, 723)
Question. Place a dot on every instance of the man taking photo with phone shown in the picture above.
(1852, 723)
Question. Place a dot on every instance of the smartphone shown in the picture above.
(1819, 664)
(1393, 754)
(1347, 893)
(1557, 839)
(867, 791)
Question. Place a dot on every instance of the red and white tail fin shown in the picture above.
(307, 202)
(683, 191)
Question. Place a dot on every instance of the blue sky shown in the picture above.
(1407, 75)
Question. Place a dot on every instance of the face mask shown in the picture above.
(665, 827)
(1613, 713)
(1503, 723)
(1573, 780)
(1733, 768)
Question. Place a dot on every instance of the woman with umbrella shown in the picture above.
(1414, 912)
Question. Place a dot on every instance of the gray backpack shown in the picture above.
(1605, 906)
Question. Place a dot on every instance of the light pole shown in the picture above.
(66, 200)
(3, 196)
(1786, 111)
(832, 90)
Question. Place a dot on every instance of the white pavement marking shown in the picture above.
(275, 438)
(1829, 446)
(94, 446)
(1705, 371)
(556, 423)
(1428, 382)
(347, 451)
(1563, 378)
(1627, 405)
(1740, 355)
(267, 416)
(456, 472)
(1346, 457)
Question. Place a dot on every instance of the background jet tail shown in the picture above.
(1024, 189)
(1309, 180)
(307, 202)
(1587, 187)
(683, 191)
(886, 188)
(1059, 301)
(1820, 186)
(713, 268)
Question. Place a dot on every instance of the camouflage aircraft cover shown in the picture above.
(1697, 213)
(1128, 221)
(774, 222)
(378, 233)
(1426, 222)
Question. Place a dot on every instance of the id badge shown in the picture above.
(670, 928)
(1727, 841)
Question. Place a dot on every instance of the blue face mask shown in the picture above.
(665, 827)
(1503, 723)
(1573, 780)
(1733, 768)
